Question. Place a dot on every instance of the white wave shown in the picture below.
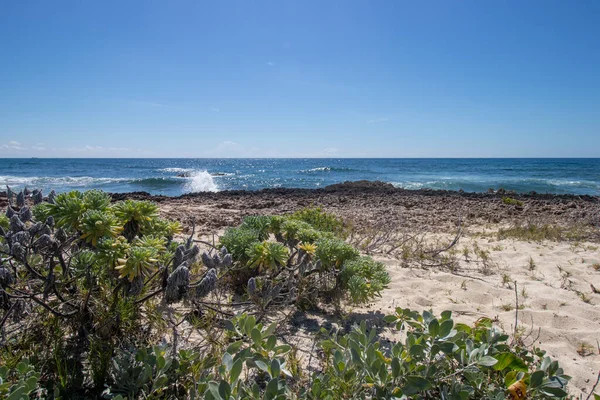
(58, 181)
(318, 169)
(176, 169)
(200, 181)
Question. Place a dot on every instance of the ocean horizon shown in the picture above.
(177, 176)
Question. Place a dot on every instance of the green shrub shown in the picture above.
(512, 202)
(334, 252)
(20, 383)
(238, 241)
(364, 278)
(437, 360)
(258, 223)
(4, 222)
(321, 220)
(267, 255)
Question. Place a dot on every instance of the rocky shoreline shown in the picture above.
(376, 203)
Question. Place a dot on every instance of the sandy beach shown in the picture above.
(556, 271)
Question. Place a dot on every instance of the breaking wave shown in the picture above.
(200, 181)
(328, 169)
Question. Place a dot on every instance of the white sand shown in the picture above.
(565, 320)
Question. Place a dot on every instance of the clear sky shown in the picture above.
(299, 78)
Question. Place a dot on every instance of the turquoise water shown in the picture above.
(160, 176)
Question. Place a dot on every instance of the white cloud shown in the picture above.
(270, 64)
(215, 109)
(331, 152)
(13, 145)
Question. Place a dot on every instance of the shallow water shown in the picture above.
(160, 176)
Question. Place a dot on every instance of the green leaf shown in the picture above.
(446, 315)
(446, 328)
(553, 391)
(236, 370)
(271, 342)
(434, 327)
(395, 367)
(229, 325)
(275, 368)
(227, 361)
(487, 361)
(504, 360)
(282, 349)
(249, 325)
(18, 394)
(415, 384)
(213, 387)
(256, 337)
(272, 389)
(262, 366)
(447, 347)
(390, 318)
(510, 378)
(234, 347)
(536, 378)
(224, 390)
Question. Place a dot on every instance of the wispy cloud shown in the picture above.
(270, 63)
(39, 147)
(215, 109)
(378, 120)
(13, 145)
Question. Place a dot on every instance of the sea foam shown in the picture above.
(200, 181)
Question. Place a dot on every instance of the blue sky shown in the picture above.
(300, 78)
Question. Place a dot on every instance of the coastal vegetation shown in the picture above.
(95, 296)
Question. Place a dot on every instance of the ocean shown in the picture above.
(174, 177)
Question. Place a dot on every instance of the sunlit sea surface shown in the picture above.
(174, 177)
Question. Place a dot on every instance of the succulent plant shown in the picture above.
(20, 199)
(61, 235)
(207, 284)
(140, 261)
(6, 277)
(177, 284)
(252, 286)
(22, 238)
(267, 255)
(207, 260)
(25, 214)
(18, 251)
(9, 195)
(37, 196)
(96, 225)
(10, 212)
(51, 197)
(43, 242)
(16, 225)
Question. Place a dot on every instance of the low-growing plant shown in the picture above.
(512, 202)
(364, 278)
